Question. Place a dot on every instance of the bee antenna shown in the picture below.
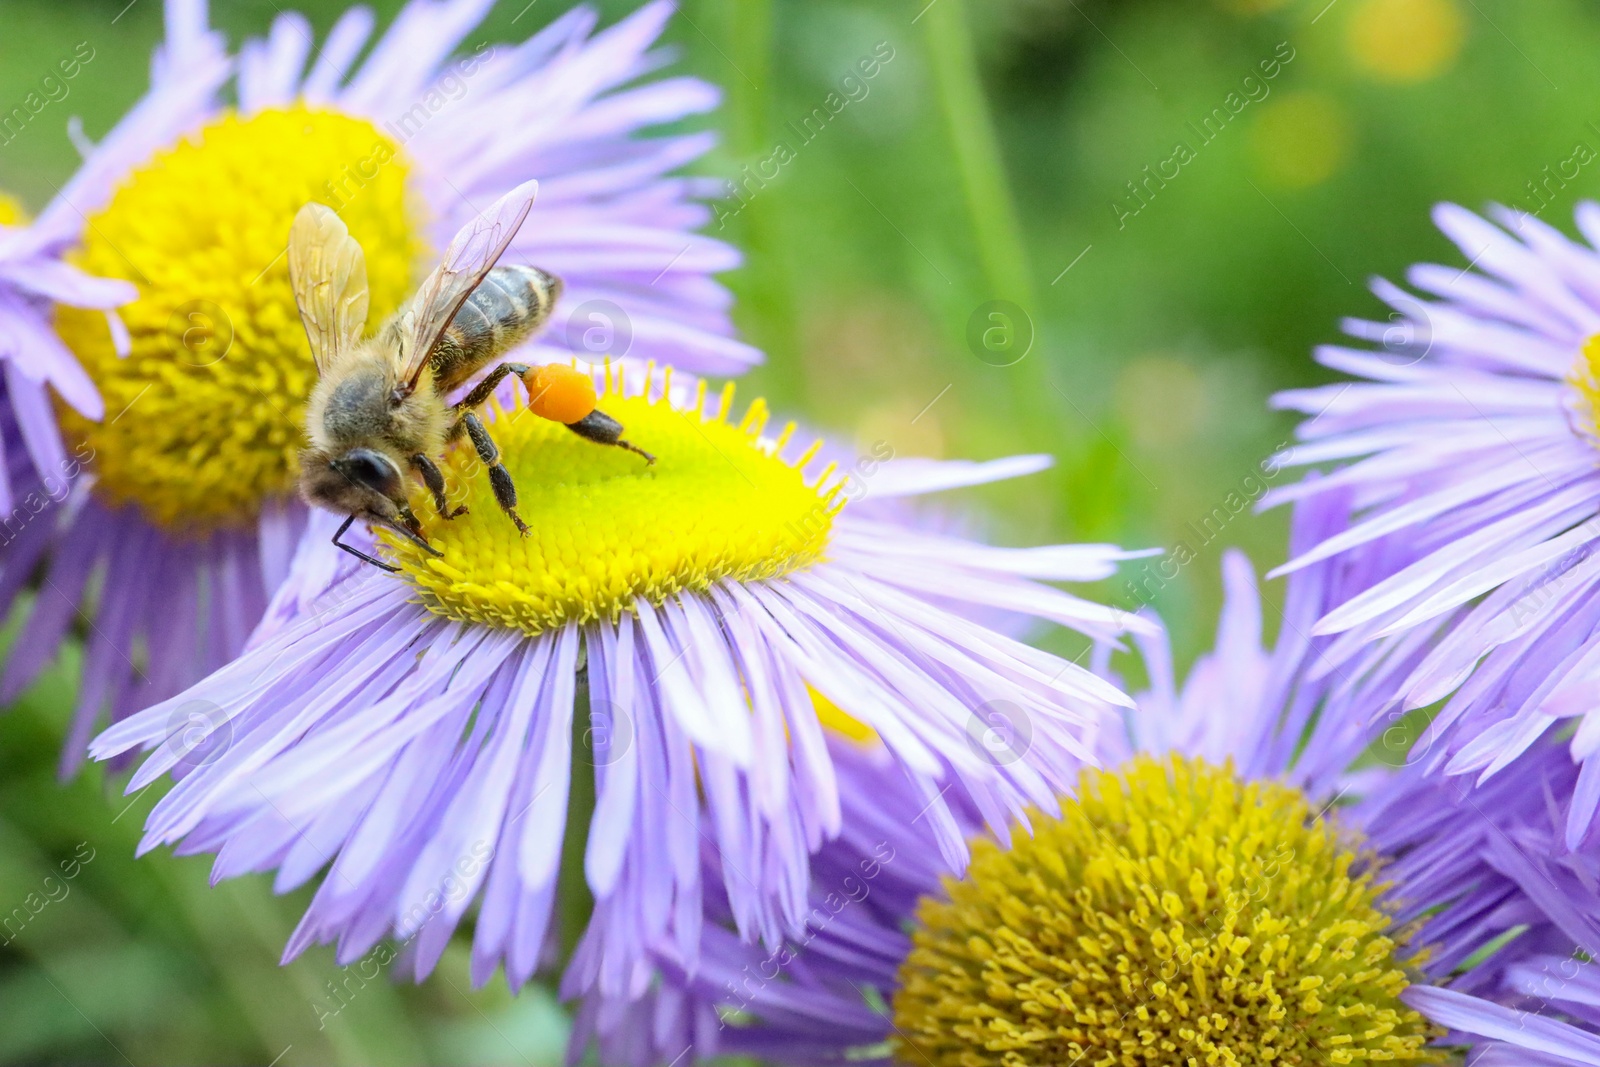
(412, 536)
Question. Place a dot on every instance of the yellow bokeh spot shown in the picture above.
(1172, 915)
(719, 504)
(1300, 139)
(1405, 40)
(11, 213)
(204, 416)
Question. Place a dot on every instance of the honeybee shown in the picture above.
(374, 417)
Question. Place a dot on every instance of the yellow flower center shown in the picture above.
(719, 504)
(1173, 915)
(203, 418)
(836, 720)
(11, 213)
(1585, 378)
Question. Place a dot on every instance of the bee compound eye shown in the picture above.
(371, 469)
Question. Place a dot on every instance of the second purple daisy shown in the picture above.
(1469, 438)
(1249, 879)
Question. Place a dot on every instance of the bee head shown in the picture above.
(360, 481)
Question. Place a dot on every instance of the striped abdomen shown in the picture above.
(508, 306)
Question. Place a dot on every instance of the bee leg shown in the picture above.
(485, 389)
(356, 552)
(602, 429)
(505, 490)
(434, 479)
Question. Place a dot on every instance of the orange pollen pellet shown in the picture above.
(559, 393)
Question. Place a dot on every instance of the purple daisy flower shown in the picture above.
(34, 276)
(1502, 1036)
(188, 516)
(1471, 439)
(34, 361)
(1232, 892)
(700, 626)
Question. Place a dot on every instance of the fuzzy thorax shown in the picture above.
(720, 504)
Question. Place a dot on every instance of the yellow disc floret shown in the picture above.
(1585, 378)
(204, 415)
(11, 213)
(719, 504)
(1173, 915)
(836, 720)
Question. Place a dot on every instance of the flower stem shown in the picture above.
(744, 31)
(976, 149)
(576, 903)
(996, 230)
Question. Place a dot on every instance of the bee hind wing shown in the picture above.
(471, 255)
(328, 271)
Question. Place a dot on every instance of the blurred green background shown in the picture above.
(988, 160)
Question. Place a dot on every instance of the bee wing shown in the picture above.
(329, 273)
(470, 256)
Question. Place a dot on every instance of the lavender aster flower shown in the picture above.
(34, 362)
(1232, 892)
(189, 515)
(689, 618)
(34, 276)
(1471, 438)
(1508, 1037)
